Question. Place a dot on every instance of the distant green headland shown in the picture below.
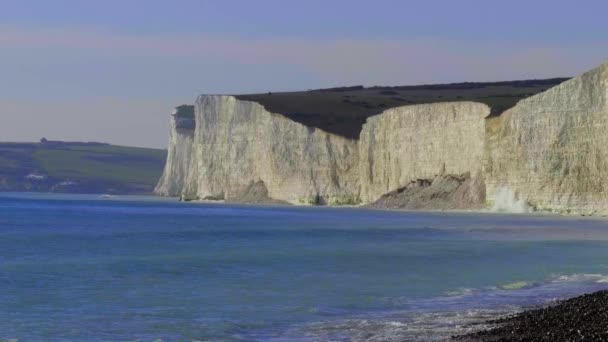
(79, 167)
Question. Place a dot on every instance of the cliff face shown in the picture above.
(238, 144)
(423, 141)
(551, 148)
(238, 147)
(177, 167)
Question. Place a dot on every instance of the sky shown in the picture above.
(113, 70)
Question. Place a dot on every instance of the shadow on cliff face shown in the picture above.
(442, 192)
(344, 110)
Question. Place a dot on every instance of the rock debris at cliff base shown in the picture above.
(255, 193)
(441, 193)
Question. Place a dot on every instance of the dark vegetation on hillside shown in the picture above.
(184, 111)
(343, 110)
(75, 167)
(184, 117)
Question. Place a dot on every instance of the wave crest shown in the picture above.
(459, 312)
(507, 201)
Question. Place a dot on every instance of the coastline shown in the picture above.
(489, 211)
(581, 318)
(474, 314)
(448, 272)
(578, 318)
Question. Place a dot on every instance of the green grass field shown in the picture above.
(79, 167)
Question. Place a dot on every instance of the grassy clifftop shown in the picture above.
(79, 168)
(343, 110)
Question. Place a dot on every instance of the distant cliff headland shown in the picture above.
(79, 167)
(537, 144)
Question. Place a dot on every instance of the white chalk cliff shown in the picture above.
(549, 150)
(421, 141)
(238, 144)
(179, 154)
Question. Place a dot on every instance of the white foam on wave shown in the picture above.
(517, 285)
(430, 326)
(465, 291)
(507, 201)
(582, 277)
(458, 312)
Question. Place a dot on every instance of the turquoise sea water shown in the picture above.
(89, 268)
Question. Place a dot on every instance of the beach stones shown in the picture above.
(583, 318)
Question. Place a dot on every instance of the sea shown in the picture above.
(114, 268)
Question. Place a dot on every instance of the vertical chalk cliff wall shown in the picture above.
(181, 133)
(422, 141)
(238, 144)
(552, 148)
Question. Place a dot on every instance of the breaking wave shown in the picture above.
(507, 201)
(458, 312)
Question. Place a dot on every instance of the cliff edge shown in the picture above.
(236, 145)
(547, 150)
(550, 149)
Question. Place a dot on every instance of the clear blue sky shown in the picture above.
(112, 70)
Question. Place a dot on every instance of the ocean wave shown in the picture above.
(457, 312)
(465, 291)
(582, 277)
(517, 285)
(432, 326)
